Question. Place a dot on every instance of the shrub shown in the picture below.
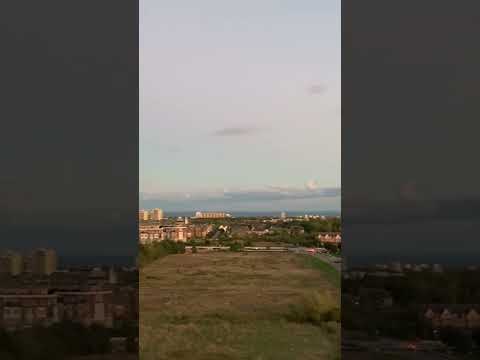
(151, 252)
(235, 246)
(316, 308)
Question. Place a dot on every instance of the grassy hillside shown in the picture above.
(257, 306)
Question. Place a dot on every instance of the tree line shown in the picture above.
(62, 340)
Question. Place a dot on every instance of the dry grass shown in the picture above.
(107, 357)
(232, 306)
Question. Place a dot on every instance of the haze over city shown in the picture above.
(240, 105)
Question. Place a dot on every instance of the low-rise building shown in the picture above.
(211, 215)
(466, 316)
(330, 238)
(154, 233)
(21, 308)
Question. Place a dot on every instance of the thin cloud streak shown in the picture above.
(236, 131)
(317, 89)
(253, 195)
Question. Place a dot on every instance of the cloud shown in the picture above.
(317, 89)
(235, 131)
(269, 193)
(285, 194)
(369, 211)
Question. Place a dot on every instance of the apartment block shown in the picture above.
(11, 263)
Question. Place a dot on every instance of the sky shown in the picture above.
(62, 185)
(240, 105)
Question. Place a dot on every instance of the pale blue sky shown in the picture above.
(240, 104)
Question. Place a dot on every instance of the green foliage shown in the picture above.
(331, 248)
(235, 246)
(317, 308)
(55, 343)
(316, 226)
(151, 252)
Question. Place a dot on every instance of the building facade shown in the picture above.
(211, 215)
(457, 316)
(153, 233)
(330, 238)
(23, 308)
(143, 215)
(156, 214)
(11, 263)
(40, 261)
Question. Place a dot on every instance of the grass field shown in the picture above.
(234, 306)
(107, 357)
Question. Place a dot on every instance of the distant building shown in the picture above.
(453, 315)
(396, 267)
(22, 308)
(43, 261)
(83, 295)
(330, 238)
(211, 215)
(156, 214)
(112, 276)
(181, 232)
(11, 263)
(283, 215)
(174, 233)
(143, 215)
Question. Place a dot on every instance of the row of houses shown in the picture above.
(330, 238)
(153, 233)
(22, 309)
(465, 316)
(263, 229)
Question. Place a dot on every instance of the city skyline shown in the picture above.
(240, 106)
